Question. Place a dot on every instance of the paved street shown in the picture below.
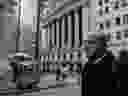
(47, 85)
(48, 88)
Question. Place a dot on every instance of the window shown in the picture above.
(117, 21)
(2, 6)
(100, 3)
(113, 35)
(109, 36)
(126, 33)
(118, 35)
(101, 26)
(100, 12)
(125, 19)
(107, 9)
(116, 5)
(124, 3)
(108, 24)
(106, 1)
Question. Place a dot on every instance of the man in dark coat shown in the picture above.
(95, 73)
(120, 68)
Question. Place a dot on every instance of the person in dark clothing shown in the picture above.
(123, 57)
(97, 69)
(121, 63)
(120, 70)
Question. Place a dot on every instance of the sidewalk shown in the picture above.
(48, 87)
(47, 81)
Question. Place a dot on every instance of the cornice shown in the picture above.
(65, 9)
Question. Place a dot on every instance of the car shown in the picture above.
(22, 66)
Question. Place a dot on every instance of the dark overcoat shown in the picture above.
(96, 74)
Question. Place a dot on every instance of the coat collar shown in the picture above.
(99, 59)
(98, 53)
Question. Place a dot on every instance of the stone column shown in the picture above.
(69, 31)
(72, 28)
(53, 33)
(92, 16)
(28, 22)
(43, 38)
(58, 33)
(80, 26)
(48, 36)
(76, 29)
(85, 22)
(66, 30)
(63, 32)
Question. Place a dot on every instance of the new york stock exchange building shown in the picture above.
(62, 37)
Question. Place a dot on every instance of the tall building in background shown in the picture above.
(111, 18)
(28, 23)
(18, 16)
(56, 24)
(8, 26)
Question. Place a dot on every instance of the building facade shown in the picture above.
(8, 27)
(63, 33)
(112, 19)
(65, 28)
